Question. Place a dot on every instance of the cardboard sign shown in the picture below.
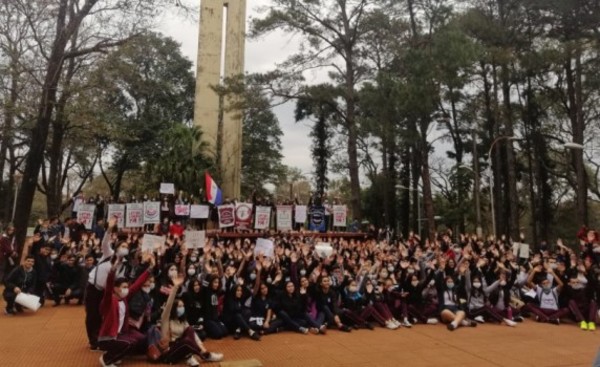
(226, 216)
(284, 217)
(182, 210)
(300, 214)
(151, 212)
(243, 215)
(263, 217)
(195, 239)
(151, 242)
(199, 211)
(340, 215)
(264, 247)
(85, 215)
(324, 249)
(167, 188)
(117, 211)
(135, 215)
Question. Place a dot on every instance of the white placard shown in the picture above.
(151, 212)
(117, 211)
(300, 214)
(28, 301)
(167, 188)
(264, 247)
(135, 215)
(262, 218)
(199, 211)
(324, 249)
(182, 210)
(339, 215)
(151, 242)
(524, 251)
(85, 215)
(195, 239)
(284, 217)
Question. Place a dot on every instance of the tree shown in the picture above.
(332, 31)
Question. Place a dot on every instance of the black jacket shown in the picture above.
(19, 278)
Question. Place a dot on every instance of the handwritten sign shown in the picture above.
(135, 215)
(264, 247)
(199, 211)
(151, 242)
(263, 217)
(167, 188)
(195, 239)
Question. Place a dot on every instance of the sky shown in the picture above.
(261, 56)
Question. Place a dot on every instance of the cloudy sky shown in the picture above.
(261, 56)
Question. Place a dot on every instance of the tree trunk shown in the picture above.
(7, 133)
(427, 194)
(405, 196)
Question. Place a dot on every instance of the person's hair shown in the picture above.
(192, 284)
(120, 281)
(173, 315)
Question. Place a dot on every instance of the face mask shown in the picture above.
(180, 311)
(54, 256)
(391, 269)
(431, 283)
(577, 286)
(352, 289)
(502, 283)
(193, 259)
(122, 252)
(553, 266)
(547, 289)
(415, 283)
(191, 272)
(172, 274)
(596, 249)
(302, 272)
(450, 285)
(269, 280)
(253, 276)
(147, 289)
(477, 285)
(124, 292)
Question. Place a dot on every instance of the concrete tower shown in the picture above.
(221, 55)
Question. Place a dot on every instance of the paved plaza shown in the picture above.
(56, 337)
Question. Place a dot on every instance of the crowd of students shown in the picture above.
(165, 303)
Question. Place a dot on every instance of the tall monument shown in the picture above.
(221, 54)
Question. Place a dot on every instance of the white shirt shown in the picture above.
(103, 268)
(121, 314)
(548, 301)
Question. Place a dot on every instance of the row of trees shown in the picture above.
(515, 78)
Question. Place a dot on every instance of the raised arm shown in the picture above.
(164, 318)
(107, 251)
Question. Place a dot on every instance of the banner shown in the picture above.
(167, 188)
(317, 219)
(263, 217)
(226, 216)
(151, 212)
(85, 215)
(195, 239)
(300, 214)
(243, 215)
(182, 210)
(284, 217)
(135, 215)
(264, 247)
(118, 211)
(152, 242)
(339, 215)
(199, 211)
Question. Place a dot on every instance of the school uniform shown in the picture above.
(547, 307)
(18, 278)
(292, 311)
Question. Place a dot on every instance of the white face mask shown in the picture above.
(391, 269)
(122, 252)
(180, 311)
(193, 259)
(352, 289)
(502, 283)
(147, 289)
(253, 276)
(54, 256)
(124, 292)
(302, 272)
(415, 283)
(477, 285)
(191, 272)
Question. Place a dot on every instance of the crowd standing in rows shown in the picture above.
(166, 302)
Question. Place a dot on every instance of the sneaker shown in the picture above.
(344, 328)
(9, 312)
(255, 336)
(554, 321)
(391, 325)
(192, 362)
(414, 320)
(451, 327)
(479, 319)
(584, 325)
(432, 321)
(213, 357)
(369, 326)
(396, 322)
(406, 324)
(323, 329)
(237, 335)
(469, 323)
(510, 323)
(303, 330)
(313, 330)
(104, 364)
(518, 318)
(591, 326)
